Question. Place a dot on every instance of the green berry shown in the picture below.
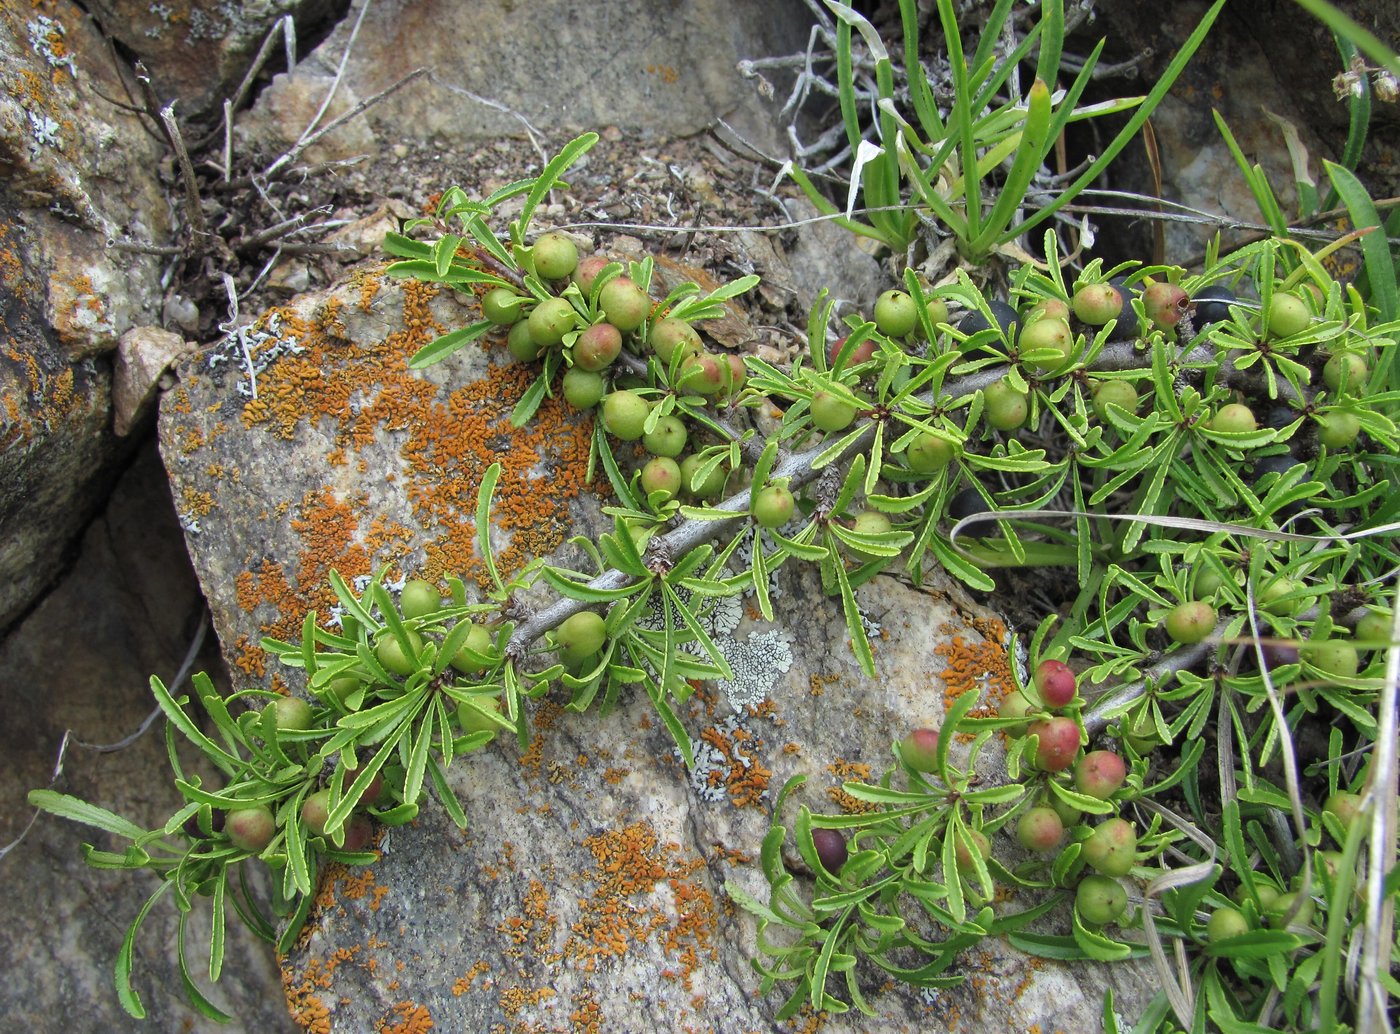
(1015, 705)
(671, 333)
(937, 311)
(583, 389)
(1288, 315)
(966, 850)
(773, 506)
(1278, 911)
(830, 413)
(667, 438)
(1234, 418)
(1190, 622)
(315, 810)
(1225, 922)
(1117, 393)
(587, 272)
(896, 314)
(1040, 829)
(419, 598)
(550, 320)
(1047, 335)
(556, 256)
(291, 713)
(392, 656)
(1100, 900)
(522, 345)
(1345, 807)
(1164, 303)
(624, 303)
(1280, 596)
(1337, 428)
(501, 306)
(1375, 627)
(580, 635)
(1096, 304)
(1345, 372)
(1334, 657)
(1004, 407)
(710, 488)
(1112, 847)
(705, 373)
(478, 641)
(625, 415)
(1058, 742)
(475, 715)
(928, 453)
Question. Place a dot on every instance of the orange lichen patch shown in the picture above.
(465, 981)
(845, 771)
(308, 1011)
(630, 864)
(412, 1018)
(11, 268)
(980, 665)
(194, 503)
(53, 399)
(739, 774)
(514, 999)
(586, 1017)
(817, 683)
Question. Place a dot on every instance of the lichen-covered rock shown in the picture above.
(662, 69)
(588, 891)
(78, 172)
(198, 51)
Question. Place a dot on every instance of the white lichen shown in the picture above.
(43, 32)
(757, 662)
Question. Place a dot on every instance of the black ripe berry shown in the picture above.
(1213, 305)
(965, 504)
(974, 321)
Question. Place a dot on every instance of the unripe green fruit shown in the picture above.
(868, 522)
(1096, 304)
(250, 829)
(1264, 891)
(928, 453)
(705, 373)
(1345, 372)
(340, 689)
(624, 303)
(773, 506)
(662, 474)
(713, 485)
(550, 320)
(583, 389)
(597, 347)
(579, 635)
(1099, 774)
(556, 256)
(830, 413)
(474, 716)
(392, 656)
(937, 311)
(1208, 582)
(1051, 335)
(1100, 900)
(419, 598)
(963, 850)
(1344, 807)
(1118, 393)
(1068, 813)
(1112, 847)
(501, 306)
(1040, 829)
(625, 415)
(291, 713)
(1272, 597)
(587, 272)
(1225, 922)
(478, 641)
(667, 438)
(1015, 705)
(1190, 622)
(671, 333)
(896, 314)
(1058, 743)
(1048, 308)
(1332, 657)
(1337, 429)
(738, 372)
(315, 810)
(1234, 418)
(1278, 911)
(1375, 627)
(920, 749)
(1004, 407)
(522, 344)
(1288, 315)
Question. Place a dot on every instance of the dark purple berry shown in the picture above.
(831, 849)
(1212, 305)
(965, 504)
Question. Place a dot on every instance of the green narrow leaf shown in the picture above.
(529, 403)
(75, 810)
(126, 994)
(444, 251)
(173, 711)
(196, 997)
(218, 925)
(441, 347)
(1375, 249)
(548, 179)
(483, 523)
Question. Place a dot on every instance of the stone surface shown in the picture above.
(81, 661)
(78, 172)
(198, 51)
(143, 355)
(648, 68)
(588, 887)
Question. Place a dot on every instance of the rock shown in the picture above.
(143, 356)
(589, 886)
(198, 51)
(652, 70)
(81, 661)
(78, 173)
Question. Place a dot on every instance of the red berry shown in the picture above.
(1099, 774)
(919, 749)
(1059, 743)
(1056, 683)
